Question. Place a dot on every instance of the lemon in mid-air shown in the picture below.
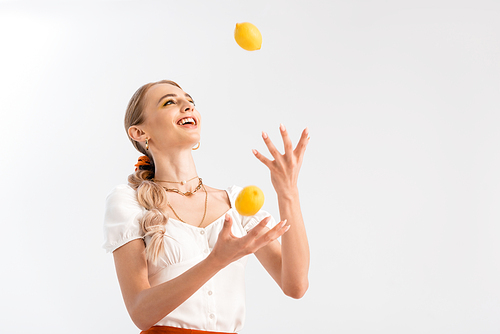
(248, 36)
(249, 201)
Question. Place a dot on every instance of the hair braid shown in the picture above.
(152, 197)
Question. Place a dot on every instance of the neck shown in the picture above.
(176, 166)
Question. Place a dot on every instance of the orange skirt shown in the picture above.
(177, 330)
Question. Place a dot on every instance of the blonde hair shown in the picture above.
(150, 195)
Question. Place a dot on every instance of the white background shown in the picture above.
(400, 186)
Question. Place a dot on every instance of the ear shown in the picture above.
(137, 134)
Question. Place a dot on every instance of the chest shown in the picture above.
(199, 210)
(186, 243)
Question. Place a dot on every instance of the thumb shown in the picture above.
(226, 229)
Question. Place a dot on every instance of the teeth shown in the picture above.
(187, 120)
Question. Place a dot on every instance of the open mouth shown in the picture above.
(187, 120)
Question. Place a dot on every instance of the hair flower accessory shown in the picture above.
(143, 161)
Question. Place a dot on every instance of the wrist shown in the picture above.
(214, 263)
(291, 193)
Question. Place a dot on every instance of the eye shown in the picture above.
(192, 102)
(168, 102)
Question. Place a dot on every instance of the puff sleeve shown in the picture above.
(249, 222)
(121, 218)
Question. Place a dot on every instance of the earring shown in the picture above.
(197, 147)
(147, 144)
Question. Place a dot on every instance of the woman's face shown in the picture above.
(171, 119)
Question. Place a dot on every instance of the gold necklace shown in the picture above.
(204, 212)
(187, 193)
(183, 182)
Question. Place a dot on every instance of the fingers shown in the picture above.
(302, 144)
(270, 146)
(273, 234)
(230, 248)
(262, 158)
(287, 143)
(280, 228)
(259, 227)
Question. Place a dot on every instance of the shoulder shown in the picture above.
(233, 192)
(121, 190)
(122, 195)
(122, 200)
(121, 216)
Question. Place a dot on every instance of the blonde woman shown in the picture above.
(179, 246)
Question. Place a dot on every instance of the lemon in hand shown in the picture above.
(248, 36)
(249, 201)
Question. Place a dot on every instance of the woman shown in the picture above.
(185, 274)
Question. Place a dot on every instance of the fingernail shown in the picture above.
(287, 228)
(254, 151)
(282, 127)
(264, 135)
(307, 131)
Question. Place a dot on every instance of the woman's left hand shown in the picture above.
(285, 167)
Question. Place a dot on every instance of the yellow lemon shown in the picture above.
(248, 36)
(249, 201)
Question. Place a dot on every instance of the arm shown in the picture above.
(287, 263)
(147, 305)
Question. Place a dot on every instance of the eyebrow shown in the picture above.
(173, 95)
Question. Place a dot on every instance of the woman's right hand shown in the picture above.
(230, 248)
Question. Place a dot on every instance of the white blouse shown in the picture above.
(219, 305)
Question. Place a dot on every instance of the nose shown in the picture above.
(188, 106)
